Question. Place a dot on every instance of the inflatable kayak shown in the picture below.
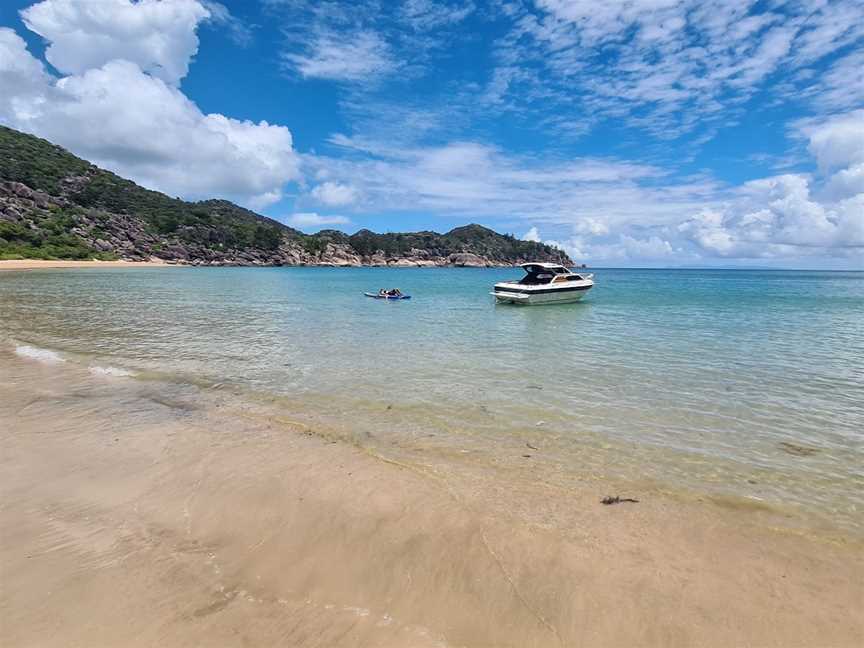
(377, 296)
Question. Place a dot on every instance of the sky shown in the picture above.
(654, 133)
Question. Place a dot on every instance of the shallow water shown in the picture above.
(747, 386)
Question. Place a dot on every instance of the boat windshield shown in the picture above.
(542, 276)
(537, 274)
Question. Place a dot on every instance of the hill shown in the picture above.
(55, 205)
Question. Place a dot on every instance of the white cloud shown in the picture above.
(846, 183)
(621, 249)
(240, 32)
(668, 66)
(837, 142)
(430, 14)
(652, 247)
(592, 226)
(357, 56)
(137, 125)
(265, 199)
(842, 86)
(600, 22)
(828, 27)
(363, 44)
(532, 234)
(159, 36)
(335, 194)
(23, 79)
(312, 220)
(474, 179)
(795, 214)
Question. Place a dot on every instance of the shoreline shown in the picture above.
(227, 523)
(40, 264)
(37, 264)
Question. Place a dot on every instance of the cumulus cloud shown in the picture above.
(23, 79)
(796, 214)
(313, 220)
(335, 194)
(532, 234)
(591, 226)
(837, 142)
(652, 247)
(263, 200)
(159, 36)
(846, 183)
(621, 248)
(118, 105)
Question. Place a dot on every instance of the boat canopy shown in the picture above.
(537, 268)
(543, 273)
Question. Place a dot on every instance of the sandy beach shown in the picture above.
(39, 264)
(139, 514)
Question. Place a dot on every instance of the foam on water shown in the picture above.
(38, 354)
(115, 372)
(49, 356)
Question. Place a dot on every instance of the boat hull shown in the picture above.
(540, 296)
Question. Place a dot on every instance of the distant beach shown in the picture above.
(39, 264)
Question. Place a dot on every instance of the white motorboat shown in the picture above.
(544, 283)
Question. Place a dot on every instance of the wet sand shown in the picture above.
(142, 514)
(39, 264)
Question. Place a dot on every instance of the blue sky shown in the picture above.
(629, 132)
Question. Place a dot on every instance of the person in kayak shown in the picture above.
(394, 292)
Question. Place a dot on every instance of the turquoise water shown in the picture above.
(741, 383)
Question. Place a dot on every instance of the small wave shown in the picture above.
(111, 371)
(40, 355)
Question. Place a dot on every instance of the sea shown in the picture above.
(743, 387)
